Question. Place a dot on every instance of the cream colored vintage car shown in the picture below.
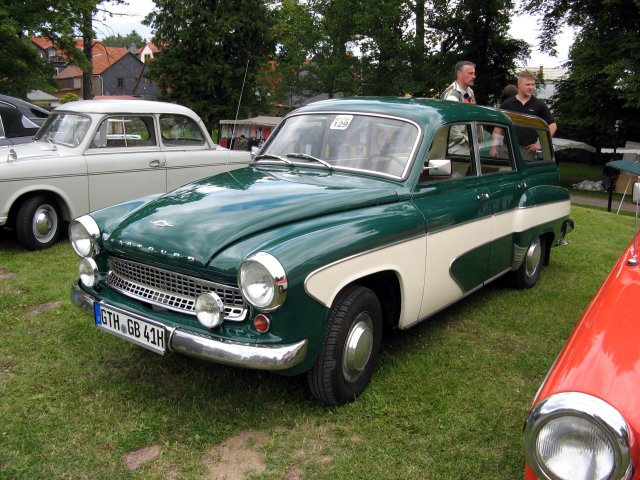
(95, 153)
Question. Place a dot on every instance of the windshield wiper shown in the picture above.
(304, 156)
(271, 156)
(47, 137)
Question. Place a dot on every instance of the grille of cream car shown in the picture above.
(171, 290)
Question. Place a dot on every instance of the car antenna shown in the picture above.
(633, 261)
(233, 130)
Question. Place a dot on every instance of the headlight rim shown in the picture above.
(588, 407)
(92, 231)
(279, 282)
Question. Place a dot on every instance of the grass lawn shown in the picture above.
(447, 402)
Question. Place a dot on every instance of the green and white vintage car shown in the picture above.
(356, 215)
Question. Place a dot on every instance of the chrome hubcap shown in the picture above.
(357, 349)
(533, 257)
(45, 222)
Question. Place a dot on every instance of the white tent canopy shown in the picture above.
(564, 143)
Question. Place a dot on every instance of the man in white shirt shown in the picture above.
(460, 90)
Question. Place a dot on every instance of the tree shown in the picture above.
(333, 66)
(21, 68)
(123, 41)
(296, 35)
(209, 47)
(394, 47)
(475, 30)
(600, 99)
(61, 21)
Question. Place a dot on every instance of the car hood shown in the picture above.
(194, 222)
(33, 150)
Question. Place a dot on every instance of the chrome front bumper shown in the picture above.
(259, 357)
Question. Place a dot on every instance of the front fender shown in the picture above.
(110, 217)
(323, 255)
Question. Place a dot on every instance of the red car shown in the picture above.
(585, 420)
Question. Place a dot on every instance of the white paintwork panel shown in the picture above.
(118, 175)
(425, 278)
(188, 165)
(526, 218)
(442, 249)
(407, 259)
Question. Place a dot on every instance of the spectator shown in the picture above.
(242, 143)
(525, 102)
(460, 90)
(507, 92)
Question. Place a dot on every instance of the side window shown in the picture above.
(451, 142)
(494, 145)
(534, 144)
(180, 131)
(125, 131)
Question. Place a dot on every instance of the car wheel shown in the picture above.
(350, 347)
(529, 272)
(38, 223)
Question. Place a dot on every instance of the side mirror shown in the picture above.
(439, 168)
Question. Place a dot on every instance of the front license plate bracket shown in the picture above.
(132, 328)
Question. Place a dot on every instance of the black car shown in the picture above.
(19, 120)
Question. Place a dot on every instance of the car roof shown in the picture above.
(122, 106)
(420, 110)
(26, 108)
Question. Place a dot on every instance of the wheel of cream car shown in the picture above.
(350, 347)
(38, 222)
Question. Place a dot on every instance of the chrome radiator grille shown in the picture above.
(170, 290)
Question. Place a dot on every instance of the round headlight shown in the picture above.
(263, 281)
(88, 272)
(575, 436)
(83, 235)
(209, 309)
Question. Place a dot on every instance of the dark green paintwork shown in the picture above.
(308, 217)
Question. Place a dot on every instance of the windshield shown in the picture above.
(344, 141)
(64, 129)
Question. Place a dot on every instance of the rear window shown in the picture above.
(534, 144)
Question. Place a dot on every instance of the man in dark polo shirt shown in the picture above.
(525, 102)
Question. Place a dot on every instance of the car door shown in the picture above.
(124, 160)
(505, 186)
(188, 153)
(457, 218)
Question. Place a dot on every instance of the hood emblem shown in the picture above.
(160, 223)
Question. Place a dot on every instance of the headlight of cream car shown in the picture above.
(83, 234)
(263, 281)
(575, 436)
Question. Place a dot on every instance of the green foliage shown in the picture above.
(61, 21)
(394, 47)
(207, 48)
(123, 40)
(69, 97)
(599, 102)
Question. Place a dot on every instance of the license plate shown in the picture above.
(133, 329)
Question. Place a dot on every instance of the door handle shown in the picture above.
(482, 196)
(156, 163)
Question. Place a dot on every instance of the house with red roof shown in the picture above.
(117, 71)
